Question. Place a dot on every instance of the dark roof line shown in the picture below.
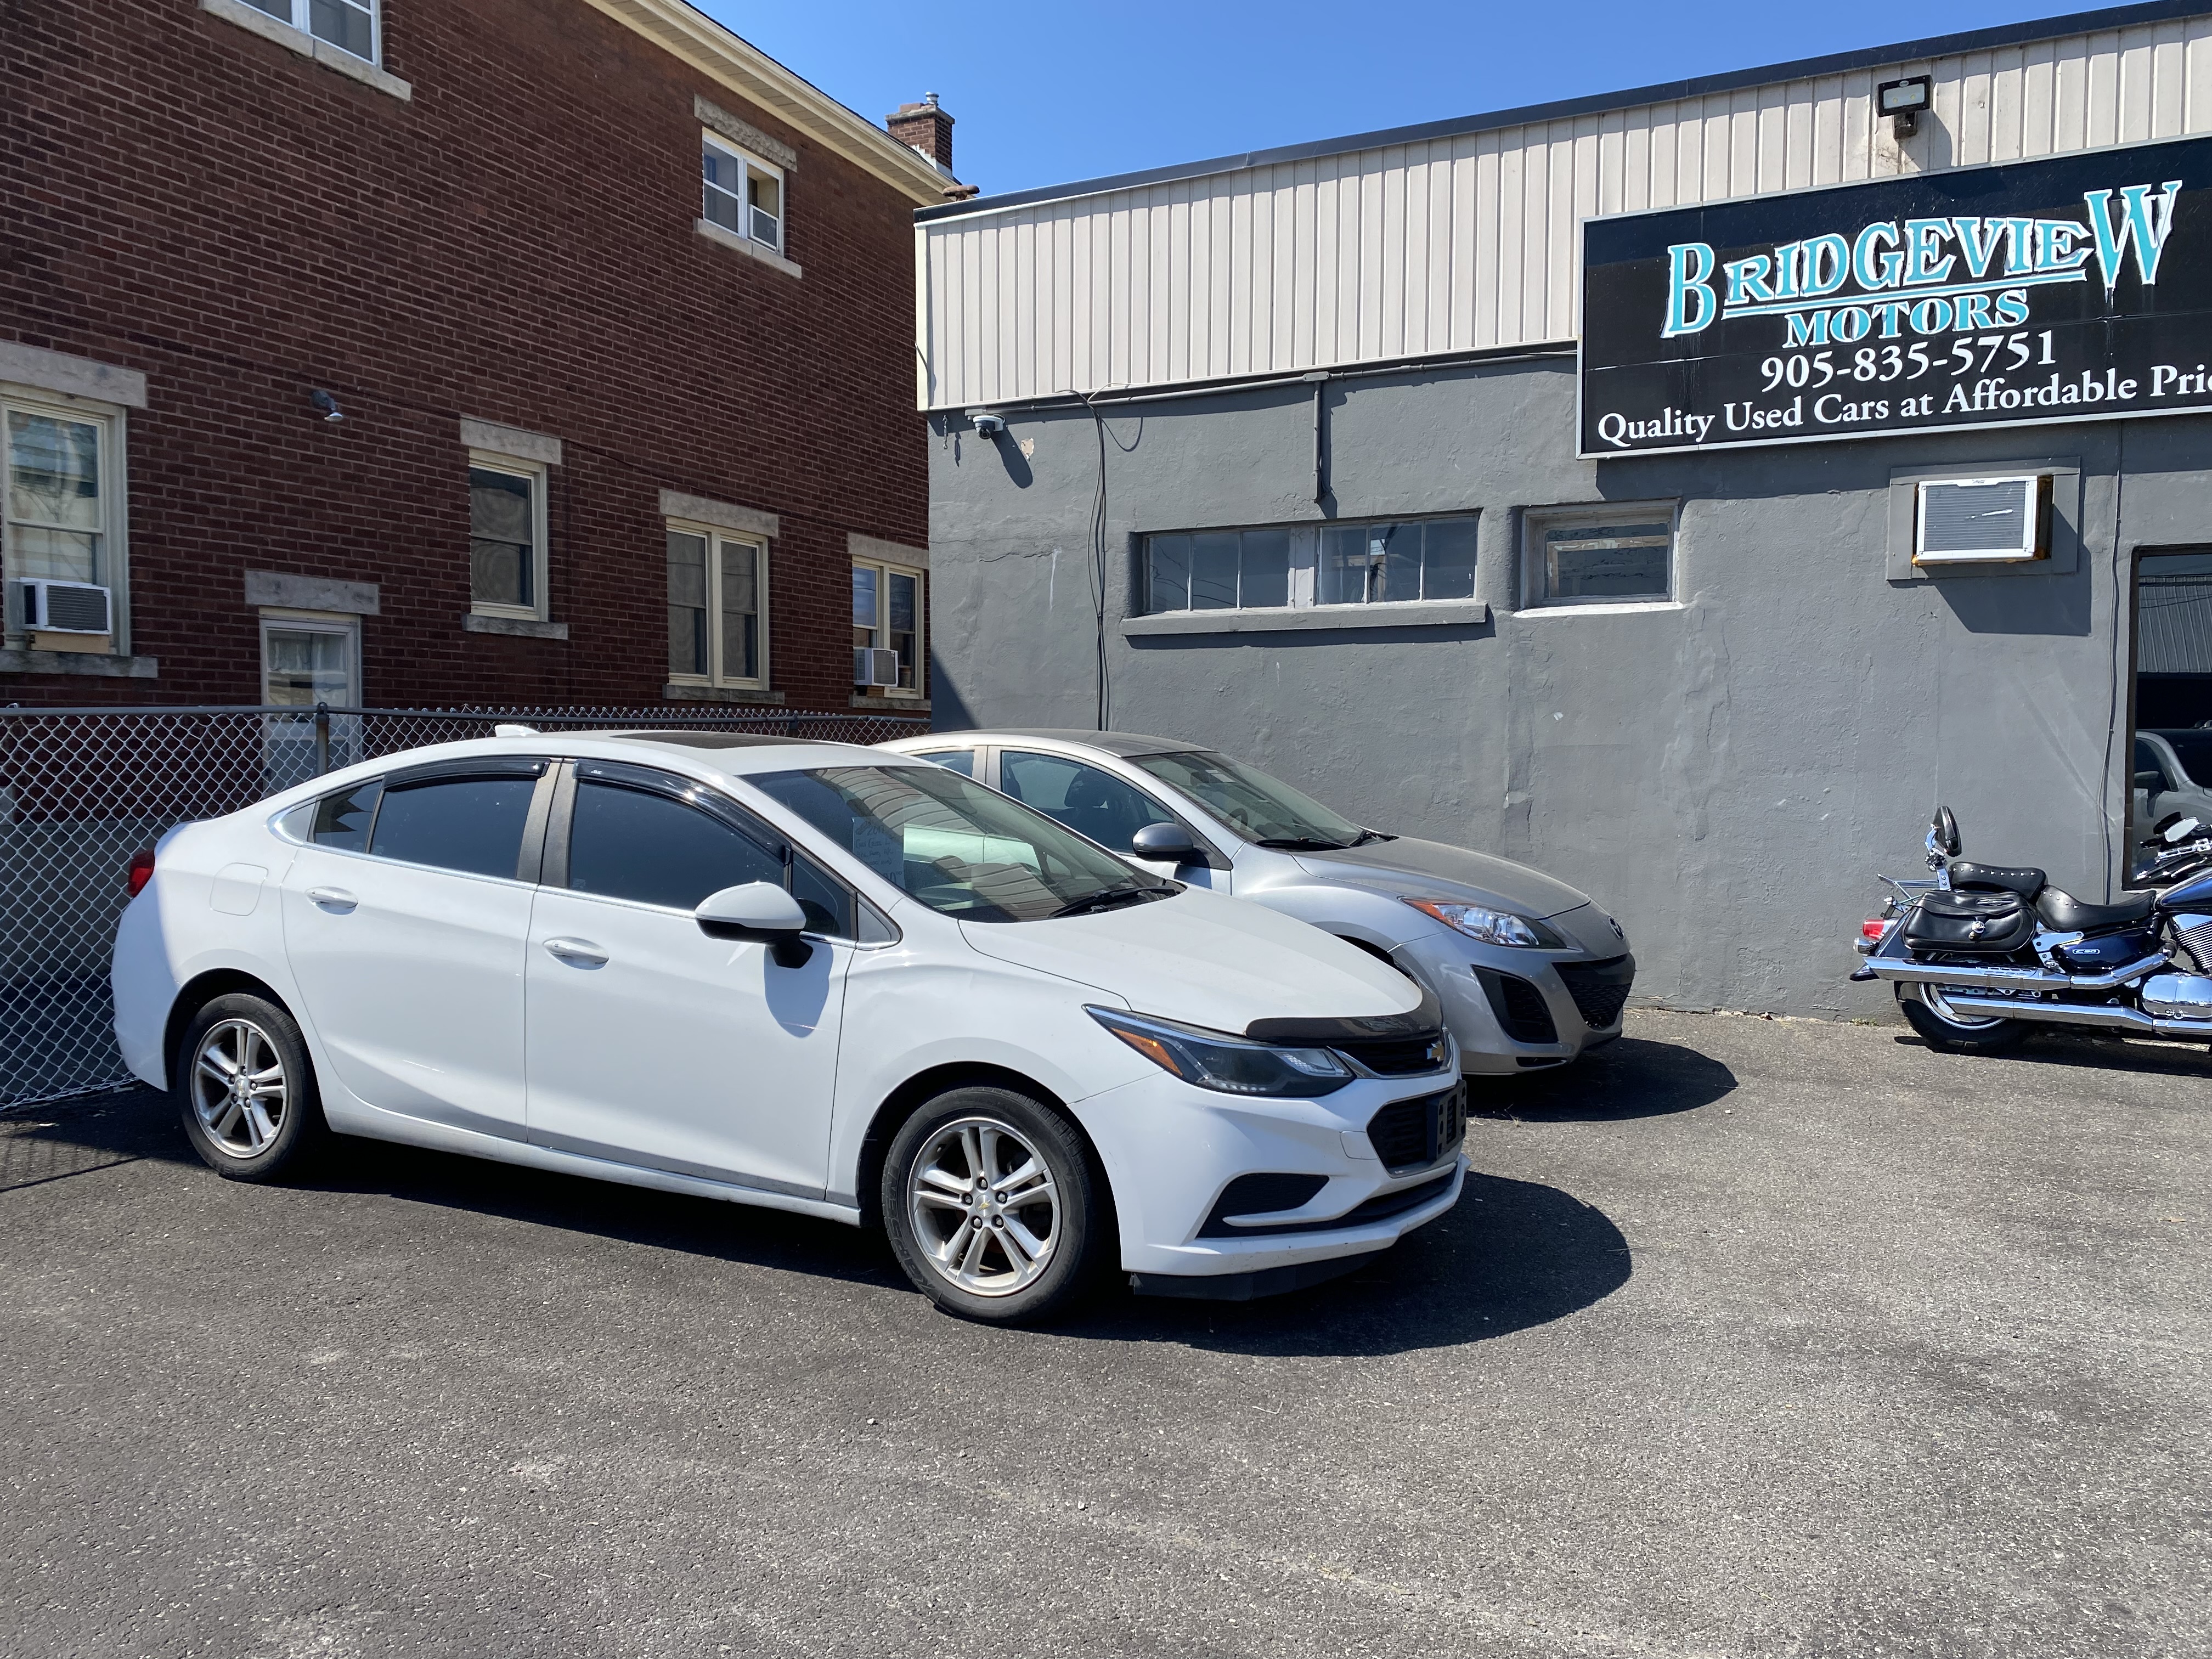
(1907, 51)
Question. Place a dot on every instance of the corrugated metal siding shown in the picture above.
(1464, 243)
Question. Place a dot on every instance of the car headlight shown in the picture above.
(1231, 1065)
(1491, 927)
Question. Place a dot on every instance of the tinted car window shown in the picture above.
(341, 820)
(472, 824)
(2191, 747)
(827, 901)
(637, 844)
(1088, 800)
(962, 761)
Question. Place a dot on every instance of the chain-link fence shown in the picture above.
(83, 789)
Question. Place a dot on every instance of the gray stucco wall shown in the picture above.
(1726, 776)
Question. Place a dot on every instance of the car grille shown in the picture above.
(1398, 1056)
(1408, 1134)
(1521, 1011)
(1600, 988)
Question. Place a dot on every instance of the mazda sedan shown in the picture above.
(1529, 971)
(810, 976)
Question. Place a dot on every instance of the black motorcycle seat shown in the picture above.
(2065, 914)
(2011, 879)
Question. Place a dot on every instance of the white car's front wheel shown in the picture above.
(993, 1205)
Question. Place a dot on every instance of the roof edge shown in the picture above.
(734, 62)
(1900, 54)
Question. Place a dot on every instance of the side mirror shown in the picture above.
(2154, 781)
(1164, 843)
(759, 911)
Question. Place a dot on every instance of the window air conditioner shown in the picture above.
(874, 668)
(1978, 521)
(51, 607)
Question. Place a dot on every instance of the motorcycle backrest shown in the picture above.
(1943, 833)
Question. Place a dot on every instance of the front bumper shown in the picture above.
(1170, 1150)
(1511, 1010)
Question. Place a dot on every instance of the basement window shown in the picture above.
(1307, 566)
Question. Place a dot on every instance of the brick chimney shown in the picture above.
(926, 127)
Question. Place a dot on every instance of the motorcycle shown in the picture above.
(1980, 954)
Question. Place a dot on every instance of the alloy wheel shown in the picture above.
(238, 1088)
(984, 1206)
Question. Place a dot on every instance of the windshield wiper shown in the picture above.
(1109, 899)
(1366, 836)
(1304, 844)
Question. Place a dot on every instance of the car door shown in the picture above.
(1093, 802)
(648, 1042)
(406, 917)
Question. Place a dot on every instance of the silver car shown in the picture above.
(1529, 971)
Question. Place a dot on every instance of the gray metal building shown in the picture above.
(1302, 458)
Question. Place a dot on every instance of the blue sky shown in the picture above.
(1046, 94)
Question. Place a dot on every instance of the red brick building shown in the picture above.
(427, 351)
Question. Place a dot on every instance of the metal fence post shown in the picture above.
(322, 738)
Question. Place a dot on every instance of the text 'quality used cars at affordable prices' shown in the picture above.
(1527, 971)
(811, 976)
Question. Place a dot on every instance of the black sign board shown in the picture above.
(2078, 288)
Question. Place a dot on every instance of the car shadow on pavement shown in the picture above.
(1629, 1077)
(1511, 1255)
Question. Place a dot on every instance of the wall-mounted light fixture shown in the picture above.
(1903, 102)
(325, 405)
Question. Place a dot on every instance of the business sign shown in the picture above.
(2078, 288)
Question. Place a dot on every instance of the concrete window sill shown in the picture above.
(715, 233)
(898, 705)
(1643, 607)
(257, 21)
(89, 664)
(520, 628)
(674, 692)
(1323, 618)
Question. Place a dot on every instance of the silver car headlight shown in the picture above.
(1230, 1065)
(1491, 927)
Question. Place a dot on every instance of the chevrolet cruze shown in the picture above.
(810, 976)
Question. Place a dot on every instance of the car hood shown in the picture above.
(1206, 960)
(1400, 867)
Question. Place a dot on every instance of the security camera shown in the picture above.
(988, 426)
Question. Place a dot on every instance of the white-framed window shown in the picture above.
(349, 25)
(889, 607)
(741, 193)
(1302, 566)
(1612, 553)
(61, 515)
(507, 561)
(717, 607)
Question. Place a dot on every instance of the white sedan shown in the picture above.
(810, 976)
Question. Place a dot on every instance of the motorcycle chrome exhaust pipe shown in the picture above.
(2064, 1013)
(2010, 977)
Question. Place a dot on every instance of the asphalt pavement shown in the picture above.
(1750, 1337)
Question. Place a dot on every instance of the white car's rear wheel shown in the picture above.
(994, 1206)
(245, 1089)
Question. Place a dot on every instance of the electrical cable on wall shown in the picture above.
(1098, 561)
(2122, 594)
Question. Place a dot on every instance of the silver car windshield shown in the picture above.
(1263, 810)
(960, 848)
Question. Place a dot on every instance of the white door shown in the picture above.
(405, 924)
(650, 1042)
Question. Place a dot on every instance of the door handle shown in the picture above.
(577, 952)
(332, 898)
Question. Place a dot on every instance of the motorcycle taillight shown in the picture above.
(1872, 927)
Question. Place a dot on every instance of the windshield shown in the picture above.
(958, 847)
(1261, 809)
